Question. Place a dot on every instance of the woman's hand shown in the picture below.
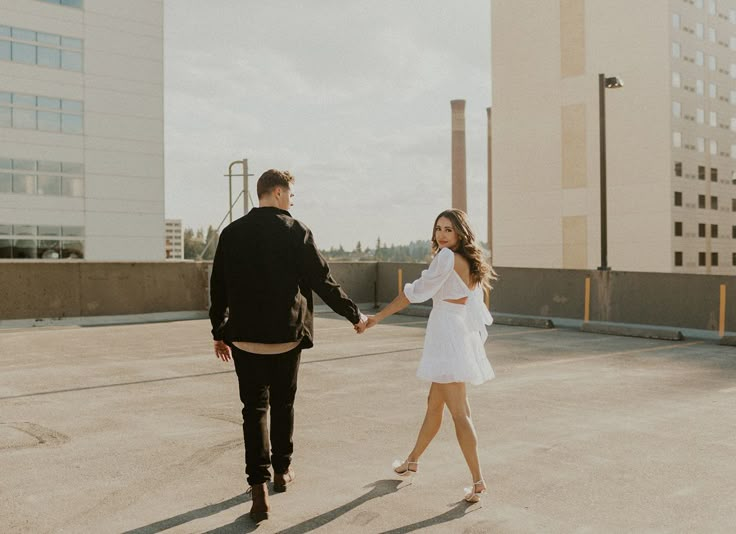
(372, 321)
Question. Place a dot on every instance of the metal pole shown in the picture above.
(602, 124)
(245, 186)
(230, 193)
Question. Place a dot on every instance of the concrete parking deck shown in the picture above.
(137, 429)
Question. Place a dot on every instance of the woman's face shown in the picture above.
(445, 234)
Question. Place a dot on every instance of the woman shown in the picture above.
(453, 352)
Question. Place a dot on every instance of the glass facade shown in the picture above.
(22, 241)
(38, 48)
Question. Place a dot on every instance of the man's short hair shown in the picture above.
(271, 179)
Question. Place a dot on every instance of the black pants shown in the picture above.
(267, 380)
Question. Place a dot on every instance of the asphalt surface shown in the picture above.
(137, 429)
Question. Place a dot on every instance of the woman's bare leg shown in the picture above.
(431, 424)
(455, 397)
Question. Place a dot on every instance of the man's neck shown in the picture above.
(267, 203)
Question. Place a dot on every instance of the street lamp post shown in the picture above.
(611, 82)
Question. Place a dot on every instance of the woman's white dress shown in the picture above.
(453, 345)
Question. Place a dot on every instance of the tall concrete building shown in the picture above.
(81, 129)
(174, 240)
(670, 134)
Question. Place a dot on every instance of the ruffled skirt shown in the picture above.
(452, 351)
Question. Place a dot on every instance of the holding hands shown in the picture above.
(365, 323)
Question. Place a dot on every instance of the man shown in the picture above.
(265, 269)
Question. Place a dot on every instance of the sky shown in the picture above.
(351, 96)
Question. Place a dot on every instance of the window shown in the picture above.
(699, 116)
(732, 98)
(678, 198)
(676, 108)
(676, 139)
(699, 87)
(38, 48)
(701, 201)
(699, 4)
(701, 144)
(699, 57)
(714, 230)
(733, 155)
(42, 242)
(676, 81)
(732, 16)
(713, 174)
(701, 172)
(678, 259)
(701, 230)
(676, 21)
(711, 7)
(678, 228)
(732, 43)
(50, 178)
(675, 50)
(713, 118)
(40, 113)
(732, 70)
(712, 90)
(699, 30)
(712, 35)
(714, 203)
(714, 259)
(701, 259)
(70, 3)
(733, 258)
(733, 204)
(678, 169)
(733, 124)
(713, 147)
(733, 232)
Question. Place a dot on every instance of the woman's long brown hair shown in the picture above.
(481, 271)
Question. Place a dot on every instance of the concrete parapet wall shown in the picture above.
(57, 289)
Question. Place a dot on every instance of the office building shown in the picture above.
(670, 134)
(81, 129)
(174, 240)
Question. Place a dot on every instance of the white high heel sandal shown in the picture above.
(473, 496)
(403, 469)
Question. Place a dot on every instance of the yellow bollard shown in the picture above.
(587, 300)
(722, 315)
(401, 280)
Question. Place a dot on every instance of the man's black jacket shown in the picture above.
(265, 269)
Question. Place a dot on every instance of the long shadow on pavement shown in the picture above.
(205, 511)
(456, 512)
(379, 489)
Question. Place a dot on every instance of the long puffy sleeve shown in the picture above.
(432, 278)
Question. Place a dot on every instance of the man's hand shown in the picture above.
(361, 325)
(222, 351)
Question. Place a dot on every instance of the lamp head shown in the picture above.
(613, 82)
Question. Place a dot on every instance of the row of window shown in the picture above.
(46, 249)
(30, 177)
(699, 88)
(702, 230)
(24, 241)
(70, 3)
(700, 58)
(41, 113)
(38, 48)
(700, 145)
(702, 173)
(713, 9)
(702, 256)
(702, 201)
(699, 116)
